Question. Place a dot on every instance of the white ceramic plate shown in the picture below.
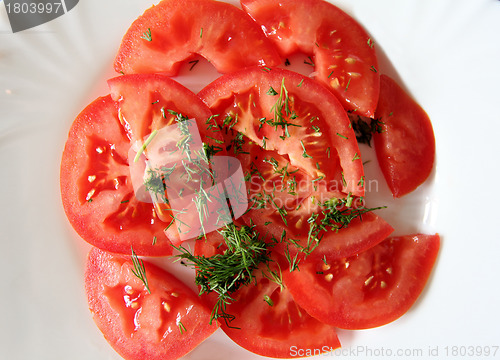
(445, 52)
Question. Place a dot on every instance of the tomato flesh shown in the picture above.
(406, 146)
(166, 323)
(369, 289)
(172, 31)
(343, 52)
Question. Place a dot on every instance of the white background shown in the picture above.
(447, 54)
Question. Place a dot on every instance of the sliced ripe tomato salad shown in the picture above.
(405, 146)
(172, 31)
(267, 320)
(369, 289)
(343, 52)
(287, 183)
(303, 255)
(163, 320)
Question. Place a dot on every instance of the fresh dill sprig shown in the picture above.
(336, 214)
(237, 144)
(281, 110)
(182, 328)
(139, 270)
(271, 91)
(226, 272)
(155, 183)
(309, 61)
(348, 83)
(211, 150)
(147, 35)
(229, 121)
(304, 153)
(294, 261)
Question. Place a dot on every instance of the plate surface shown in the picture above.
(446, 54)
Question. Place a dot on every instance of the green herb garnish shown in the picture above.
(147, 35)
(143, 147)
(139, 270)
(226, 272)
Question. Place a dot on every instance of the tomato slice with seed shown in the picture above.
(166, 322)
(283, 200)
(406, 146)
(369, 289)
(267, 321)
(146, 103)
(343, 52)
(289, 170)
(172, 31)
(362, 233)
(149, 103)
(97, 183)
(96, 189)
(294, 116)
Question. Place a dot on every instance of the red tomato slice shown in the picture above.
(315, 134)
(145, 103)
(344, 55)
(361, 234)
(96, 182)
(285, 186)
(367, 290)
(267, 320)
(166, 323)
(172, 31)
(406, 147)
(96, 188)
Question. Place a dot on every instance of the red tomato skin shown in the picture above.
(89, 218)
(336, 292)
(181, 28)
(105, 271)
(406, 146)
(343, 52)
